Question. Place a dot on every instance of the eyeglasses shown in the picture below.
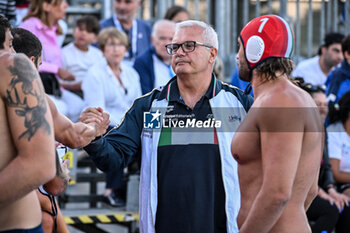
(187, 47)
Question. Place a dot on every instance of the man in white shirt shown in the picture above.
(154, 65)
(316, 69)
(79, 55)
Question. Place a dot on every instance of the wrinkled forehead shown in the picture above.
(193, 33)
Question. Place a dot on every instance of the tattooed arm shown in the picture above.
(30, 126)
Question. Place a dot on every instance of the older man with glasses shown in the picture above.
(189, 178)
(154, 65)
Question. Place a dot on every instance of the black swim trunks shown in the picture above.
(37, 229)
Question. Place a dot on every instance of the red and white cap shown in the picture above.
(265, 37)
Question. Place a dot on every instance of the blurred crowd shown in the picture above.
(111, 63)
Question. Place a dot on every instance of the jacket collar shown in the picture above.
(345, 67)
(171, 91)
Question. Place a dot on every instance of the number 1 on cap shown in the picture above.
(264, 21)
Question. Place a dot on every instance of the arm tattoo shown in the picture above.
(25, 78)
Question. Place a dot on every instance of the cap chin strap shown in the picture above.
(250, 74)
(248, 89)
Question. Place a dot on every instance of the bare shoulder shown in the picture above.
(24, 97)
(285, 107)
(287, 95)
(16, 69)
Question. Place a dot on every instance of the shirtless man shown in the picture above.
(278, 146)
(74, 135)
(27, 141)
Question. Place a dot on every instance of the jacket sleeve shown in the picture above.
(117, 147)
(335, 80)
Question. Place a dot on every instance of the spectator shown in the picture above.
(340, 77)
(79, 56)
(339, 141)
(177, 14)
(113, 86)
(138, 31)
(316, 69)
(154, 65)
(6, 37)
(339, 150)
(325, 209)
(42, 21)
(110, 84)
(188, 179)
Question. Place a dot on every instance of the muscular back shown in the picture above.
(278, 149)
(27, 145)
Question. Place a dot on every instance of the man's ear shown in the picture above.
(32, 58)
(213, 54)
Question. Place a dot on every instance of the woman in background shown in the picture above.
(177, 14)
(42, 20)
(113, 86)
(339, 142)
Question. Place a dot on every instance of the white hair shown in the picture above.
(209, 35)
(161, 23)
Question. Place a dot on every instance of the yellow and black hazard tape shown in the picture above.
(102, 218)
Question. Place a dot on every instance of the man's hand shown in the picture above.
(101, 129)
(65, 75)
(97, 116)
(91, 115)
(64, 170)
(59, 184)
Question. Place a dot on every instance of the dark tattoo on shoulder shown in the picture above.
(25, 79)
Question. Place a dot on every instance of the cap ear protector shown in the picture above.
(265, 37)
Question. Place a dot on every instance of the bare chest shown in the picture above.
(245, 146)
